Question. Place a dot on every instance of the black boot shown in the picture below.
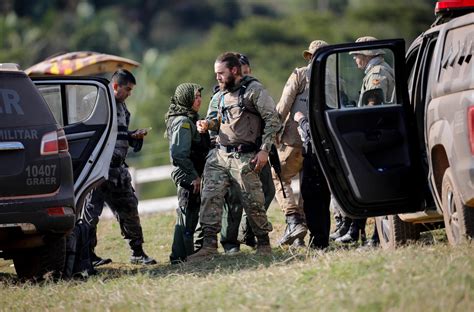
(295, 228)
(98, 261)
(339, 221)
(342, 230)
(140, 257)
(299, 242)
(263, 245)
(351, 236)
(356, 230)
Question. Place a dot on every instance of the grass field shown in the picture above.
(426, 276)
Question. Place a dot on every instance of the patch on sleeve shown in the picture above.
(186, 125)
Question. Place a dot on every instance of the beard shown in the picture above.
(228, 84)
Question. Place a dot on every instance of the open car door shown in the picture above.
(85, 108)
(366, 143)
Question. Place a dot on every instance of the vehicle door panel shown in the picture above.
(371, 144)
(368, 153)
(86, 109)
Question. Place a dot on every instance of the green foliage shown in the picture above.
(178, 41)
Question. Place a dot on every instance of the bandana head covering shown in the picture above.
(181, 102)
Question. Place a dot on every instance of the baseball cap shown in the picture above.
(313, 46)
(373, 52)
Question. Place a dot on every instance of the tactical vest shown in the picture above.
(241, 123)
(121, 146)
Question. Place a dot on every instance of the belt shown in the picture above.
(241, 148)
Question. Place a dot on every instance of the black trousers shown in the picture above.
(187, 219)
(123, 202)
(316, 199)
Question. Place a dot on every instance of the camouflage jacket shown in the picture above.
(379, 75)
(294, 95)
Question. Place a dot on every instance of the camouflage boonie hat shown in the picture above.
(313, 47)
(374, 52)
(186, 93)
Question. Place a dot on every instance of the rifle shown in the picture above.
(275, 163)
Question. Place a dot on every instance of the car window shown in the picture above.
(411, 68)
(52, 96)
(457, 53)
(360, 79)
(20, 103)
(81, 101)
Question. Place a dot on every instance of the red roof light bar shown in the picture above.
(451, 5)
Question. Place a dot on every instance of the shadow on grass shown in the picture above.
(221, 264)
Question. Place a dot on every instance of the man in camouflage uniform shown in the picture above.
(241, 152)
(293, 99)
(235, 226)
(378, 74)
(188, 150)
(117, 191)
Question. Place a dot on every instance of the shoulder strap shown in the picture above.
(246, 81)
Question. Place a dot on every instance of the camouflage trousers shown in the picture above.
(222, 171)
(120, 196)
(291, 159)
(235, 226)
(187, 219)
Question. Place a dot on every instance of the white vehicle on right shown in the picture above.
(409, 160)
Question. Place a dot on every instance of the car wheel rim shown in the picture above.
(453, 216)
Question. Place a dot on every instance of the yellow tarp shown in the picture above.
(82, 63)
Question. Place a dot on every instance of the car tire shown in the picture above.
(34, 263)
(458, 218)
(393, 232)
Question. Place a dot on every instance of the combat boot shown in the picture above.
(339, 232)
(208, 250)
(140, 257)
(351, 236)
(342, 229)
(348, 238)
(295, 228)
(98, 261)
(250, 241)
(231, 249)
(339, 221)
(299, 243)
(263, 245)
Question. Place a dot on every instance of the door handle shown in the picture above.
(11, 146)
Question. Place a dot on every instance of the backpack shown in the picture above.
(78, 252)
